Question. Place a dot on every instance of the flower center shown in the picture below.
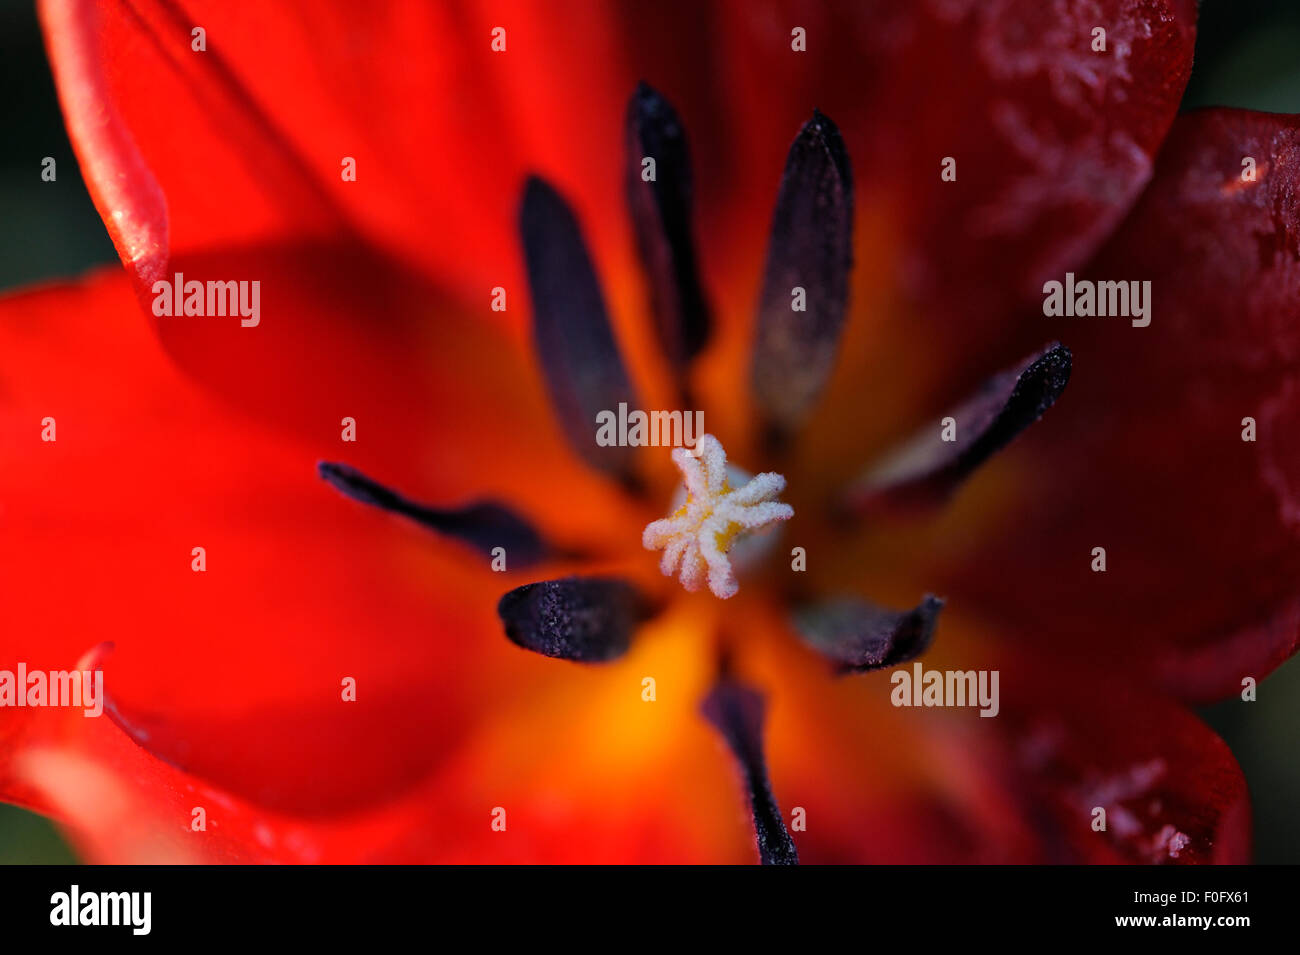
(721, 507)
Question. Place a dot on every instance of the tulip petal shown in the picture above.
(1145, 525)
(550, 776)
(1050, 142)
(810, 254)
(485, 525)
(152, 202)
(882, 777)
(736, 711)
(584, 619)
(584, 370)
(129, 198)
(362, 356)
(1052, 129)
(245, 603)
(857, 636)
(294, 123)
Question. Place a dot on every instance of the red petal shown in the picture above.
(236, 672)
(345, 333)
(189, 154)
(1052, 142)
(584, 768)
(246, 139)
(1144, 455)
(883, 783)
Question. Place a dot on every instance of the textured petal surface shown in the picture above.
(1146, 457)
(884, 783)
(1052, 143)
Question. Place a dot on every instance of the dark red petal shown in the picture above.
(1171, 790)
(880, 782)
(1052, 143)
(1201, 529)
(878, 66)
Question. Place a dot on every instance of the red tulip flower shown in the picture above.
(470, 655)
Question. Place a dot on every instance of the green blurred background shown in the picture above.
(1247, 55)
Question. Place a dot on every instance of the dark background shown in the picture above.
(1247, 55)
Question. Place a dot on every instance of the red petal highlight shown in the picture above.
(128, 198)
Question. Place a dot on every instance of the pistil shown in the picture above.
(698, 536)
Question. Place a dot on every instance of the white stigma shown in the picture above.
(695, 539)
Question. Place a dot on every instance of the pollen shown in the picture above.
(697, 537)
